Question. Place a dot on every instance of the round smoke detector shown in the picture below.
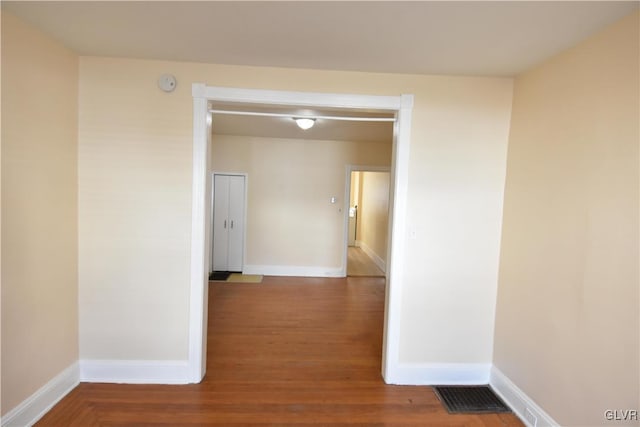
(167, 82)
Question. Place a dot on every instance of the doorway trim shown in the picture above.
(401, 105)
(347, 197)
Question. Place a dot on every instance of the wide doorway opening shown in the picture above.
(294, 206)
(210, 103)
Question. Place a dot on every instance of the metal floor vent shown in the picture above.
(470, 400)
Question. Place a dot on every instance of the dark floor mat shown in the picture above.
(220, 276)
(470, 400)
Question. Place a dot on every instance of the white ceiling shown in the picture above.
(500, 38)
(283, 127)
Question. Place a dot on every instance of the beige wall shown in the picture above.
(374, 212)
(354, 191)
(567, 325)
(290, 220)
(135, 203)
(134, 213)
(39, 210)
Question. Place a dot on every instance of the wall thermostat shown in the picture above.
(167, 82)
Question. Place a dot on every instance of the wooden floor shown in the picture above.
(287, 352)
(359, 264)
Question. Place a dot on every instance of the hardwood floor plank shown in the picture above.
(360, 264)
(286, 352)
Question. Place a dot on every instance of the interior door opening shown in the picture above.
(368, 221)
(296, 103)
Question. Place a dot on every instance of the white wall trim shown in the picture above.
(441, 373)
(293, 98)
(39, 403)
(293, 270)
(365, 168)
(518, 400)
(202, 94)
(135, 371)
(199, 269)
(397, 234)
(382, 265)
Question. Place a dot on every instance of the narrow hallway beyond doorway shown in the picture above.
(360, 264)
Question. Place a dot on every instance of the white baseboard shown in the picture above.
(518, 400)
(135, 371)
(438, 374)
(39, 403)
(382, 265)
(293, 270)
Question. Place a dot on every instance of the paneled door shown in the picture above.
(228, 222)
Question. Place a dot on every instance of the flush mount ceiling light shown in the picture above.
(305, 124)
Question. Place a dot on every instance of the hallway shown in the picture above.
(360, 264)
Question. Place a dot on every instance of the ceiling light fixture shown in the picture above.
(305, 124)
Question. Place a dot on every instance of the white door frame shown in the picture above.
(202, 119)
(347, 197)
(244, 218)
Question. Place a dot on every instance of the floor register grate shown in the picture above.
(470, 400)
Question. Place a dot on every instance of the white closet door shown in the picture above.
(236, 222)
(220, 222)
